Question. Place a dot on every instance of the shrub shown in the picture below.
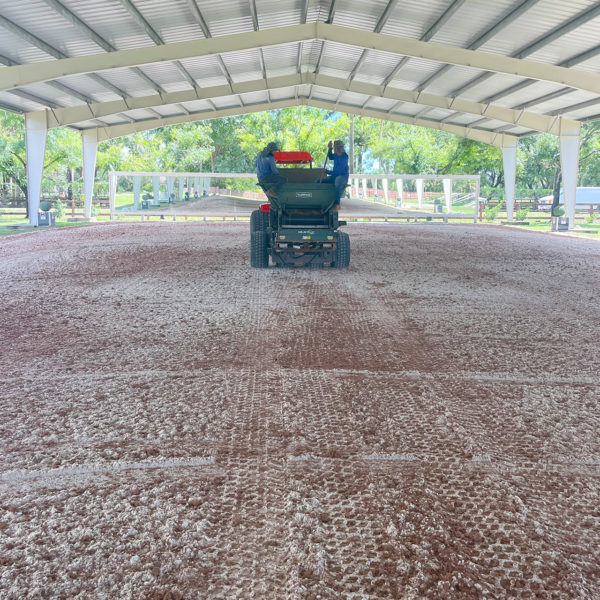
(490, 213)
(59, 208)
(522, 214)
(589, 219)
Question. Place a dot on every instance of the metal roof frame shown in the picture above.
(320, 26)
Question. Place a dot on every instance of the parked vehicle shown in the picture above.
(586, 197)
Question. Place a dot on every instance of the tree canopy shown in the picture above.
(231, 144)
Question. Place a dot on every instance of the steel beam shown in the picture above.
(487, 137)
(542, 123)
(11, 77)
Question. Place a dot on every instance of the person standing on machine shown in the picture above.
(338, 175)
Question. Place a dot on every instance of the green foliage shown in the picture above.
(231, 144)
(491, 212)
(590, 218)
(522, 214)
(59, 209)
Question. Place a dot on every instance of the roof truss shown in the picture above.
(542, 123)
(19, 75)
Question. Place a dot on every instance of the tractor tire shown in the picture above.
(259, 255)
(259, 221)
(342, 250)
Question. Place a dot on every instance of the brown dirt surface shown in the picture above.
(176, 425)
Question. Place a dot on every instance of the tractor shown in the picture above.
(299, 228)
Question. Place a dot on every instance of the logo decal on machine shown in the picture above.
(303, 194)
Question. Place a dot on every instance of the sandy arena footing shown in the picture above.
(175, 424)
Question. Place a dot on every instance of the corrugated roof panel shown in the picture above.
(531, 92)
(278, 58)
(580, 40)
(462, 119)
(128, 81)
(112, 21)
(562, 103)
(197, 105)
(169, 110)
(471, 20)
(226, 101)
(254, 97)
(417, 70)
(323, 93)
(539, 20)
(412, 18)
(7, 100)
(226, 17)
(358, 14)
(16, 48)
(382, 103)
(36, 17)
(593, 65)
(278, 14)
(449, 83)
(340, 57)
(59, 97)
(111, 120)
(283, 93)
(177, 86)
(205, 70)
(437, 114)
(173, 20)
(351, 97)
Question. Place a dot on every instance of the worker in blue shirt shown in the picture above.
(340, 172)
(268, 176)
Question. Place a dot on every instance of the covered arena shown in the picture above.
(422, 424)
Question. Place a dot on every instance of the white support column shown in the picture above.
(477, 194)
(509, 159)
(400, 188)
(156, 189)
(448, 194)
(89, 139)
(196, 186)
(180, 191)
(569, 162)
(170, 186)
(385, 190)
(112, 193)
(374, 184)
(36, 131)
(137, 188)
(420, 193)
(364, 187)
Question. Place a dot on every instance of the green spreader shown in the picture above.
(300, 227)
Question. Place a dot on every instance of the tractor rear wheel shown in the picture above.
(259, 221)
(342, 250)
(259, 255)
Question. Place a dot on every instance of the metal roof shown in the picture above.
(477, 68)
